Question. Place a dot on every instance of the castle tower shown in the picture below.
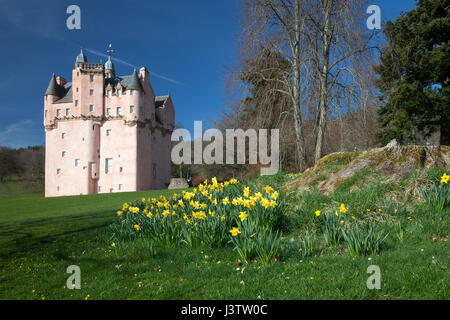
(105, 133)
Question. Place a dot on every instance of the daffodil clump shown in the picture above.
(438, 196)
(211, 215)
(340, 226)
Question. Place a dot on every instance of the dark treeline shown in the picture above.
(24, 163)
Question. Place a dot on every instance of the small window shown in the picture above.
(108, 165)
(76, 102)
(111, 190)
(91, 92)
(78, 74)
(131, 92)
(120, 187)
(154, 170)
(58, 171)
(45, 114)
(64, 153)
(77, 89)
(119, 93)
(141, 111)
(63, 135)
(99, 189)
(77, 162)
(108, 111)
(67, 111)
(121, 169)
(108, 93)
(58, 112)
(118, 111)
(108, 132)
(57, 188)
(91, 78)
(131, 109)
(153, 116)
(91, 108)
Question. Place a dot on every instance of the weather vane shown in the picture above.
(110, 50)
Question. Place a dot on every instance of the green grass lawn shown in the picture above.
(40, 238)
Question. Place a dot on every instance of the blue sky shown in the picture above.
(186, 45)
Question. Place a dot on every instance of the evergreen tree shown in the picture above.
(414, 74)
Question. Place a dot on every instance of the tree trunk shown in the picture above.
(323, 80)
(296, 90)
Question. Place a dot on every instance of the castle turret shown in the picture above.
(81, 58)
(109, 69)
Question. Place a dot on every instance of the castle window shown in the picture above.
(57, 188)
(76, 102)
(58, 112)
(45, 113)
(77, 162)
(108, 93)
(154, 170)
(63, 135)
(120, 187)
(108, 111)
(131, 109)
(99, 189)
(153, 116)
(67, 111)
(91, 78)
(118, 111)
(121, 169)
(64, 153)
(108, 165)
(108, 132)
(77, 89)
(131, 92)
(91, 92)
(119, 92)
(58, 171)
(141, 111)
(91, 108)
(111, 190)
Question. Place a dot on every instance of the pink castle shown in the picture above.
(105, 133)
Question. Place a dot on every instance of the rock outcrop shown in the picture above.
(393, 160)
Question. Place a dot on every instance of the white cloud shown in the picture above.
(17, 134)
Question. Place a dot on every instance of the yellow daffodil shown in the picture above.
(317, 213)
(243, 215)
(137, 227)
(445, 178)
(235, 231)
(342, 208)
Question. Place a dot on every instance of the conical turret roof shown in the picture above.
(53, 88)
(81, 57)
(134, 82)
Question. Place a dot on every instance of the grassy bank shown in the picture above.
(41, 237)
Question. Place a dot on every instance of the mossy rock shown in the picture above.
(393, 161)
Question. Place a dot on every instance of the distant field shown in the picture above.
(14, 188)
